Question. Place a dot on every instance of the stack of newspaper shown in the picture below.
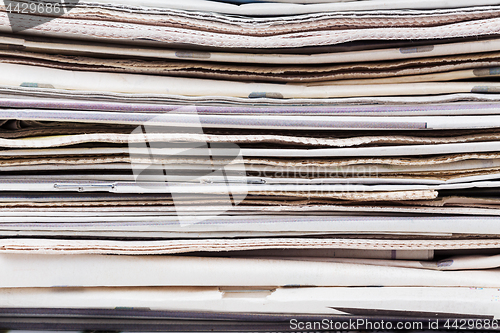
(248, 161)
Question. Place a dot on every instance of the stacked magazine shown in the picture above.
(248, 164)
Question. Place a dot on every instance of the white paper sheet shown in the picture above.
(328, 301)
(110, 271)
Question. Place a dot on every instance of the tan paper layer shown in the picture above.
(457, 201)
(391, 161)
(302, 162)
(275, 73)
(360, 196)
(434, 77)
(47, 246)
(241, 25)
(53, 46)
(130, 32)
(67, 140)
